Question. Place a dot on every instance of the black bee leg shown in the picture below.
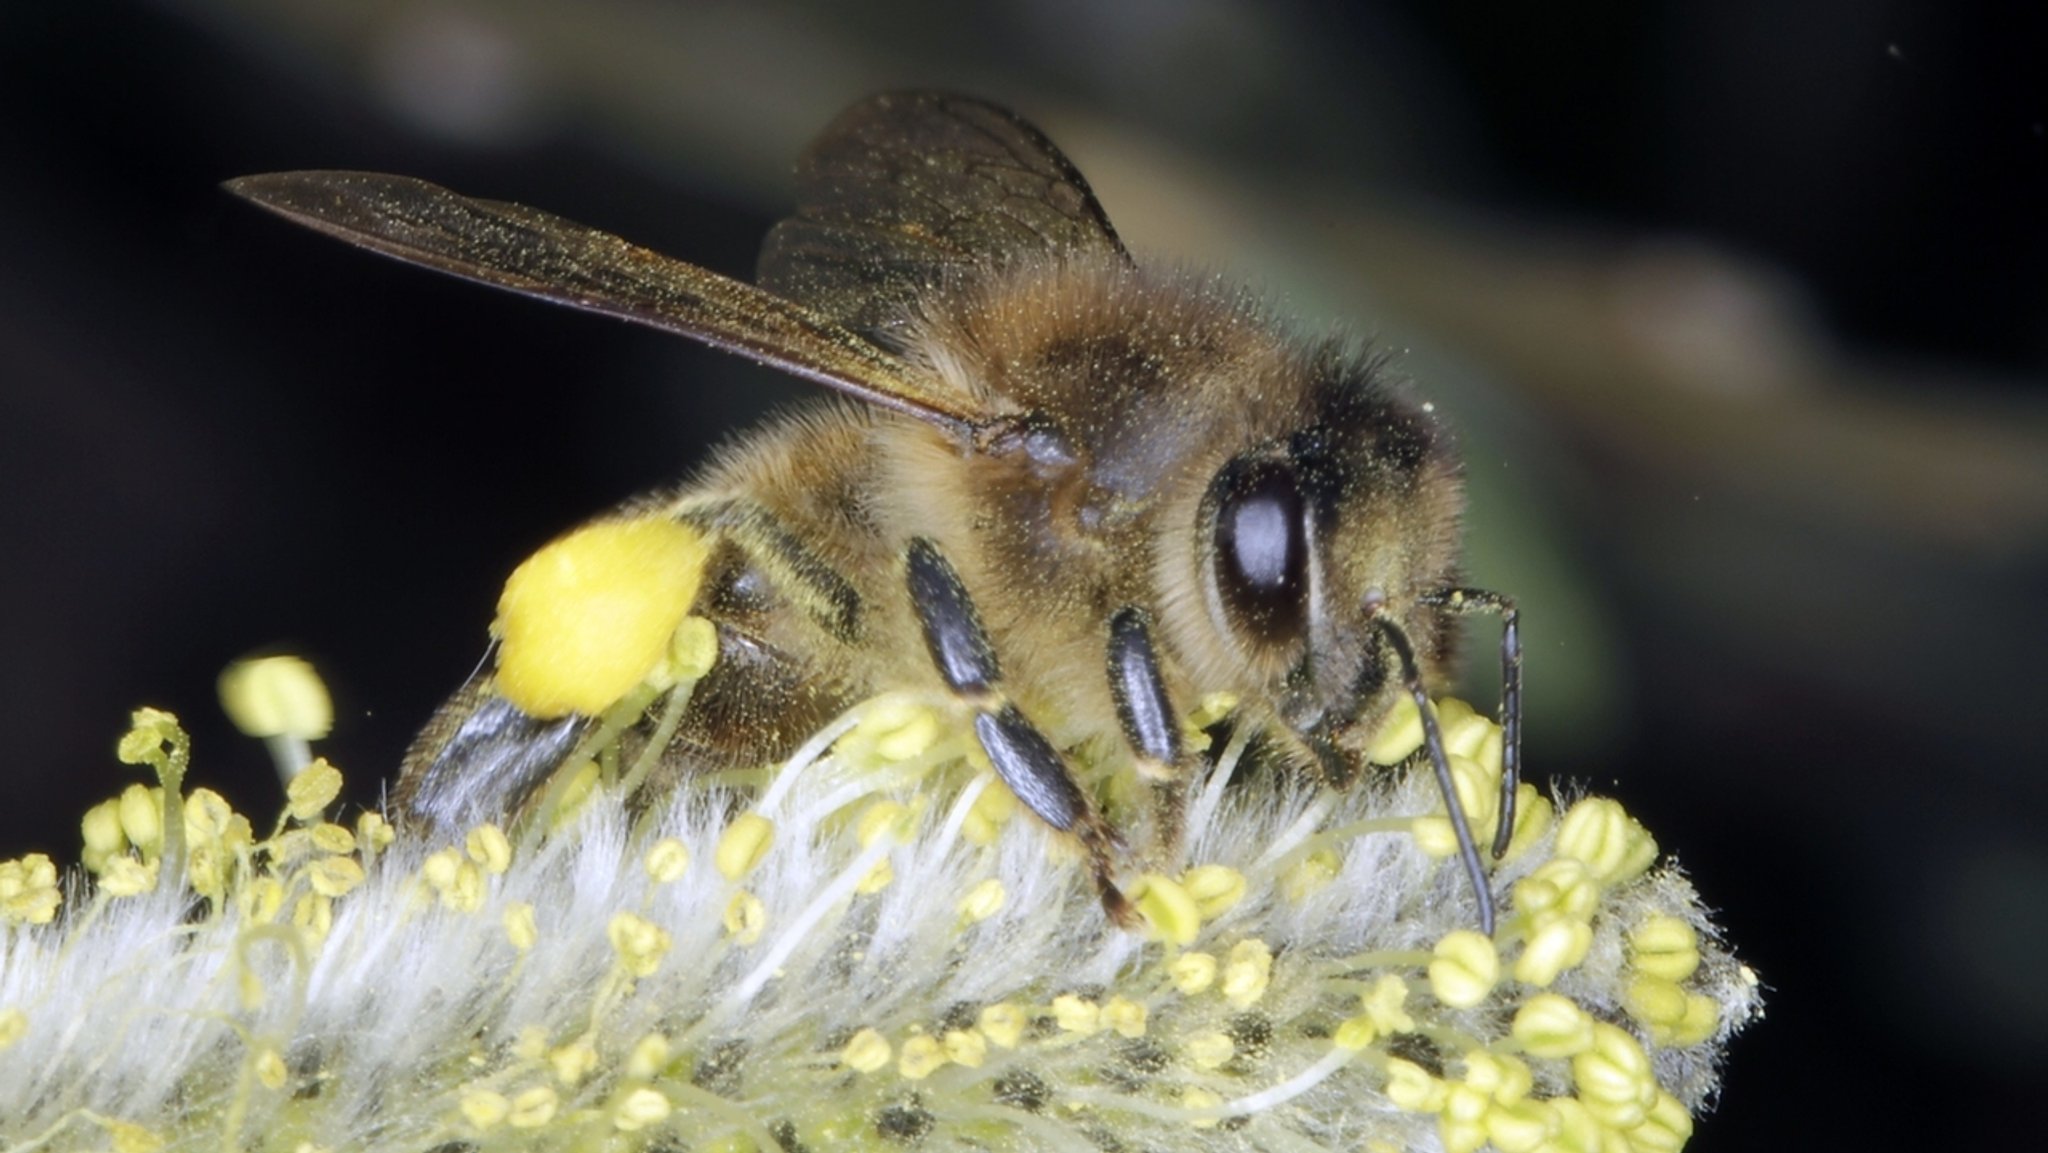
(1466, 602)
(1150, 723)
(1433, 740)
(1022, 756)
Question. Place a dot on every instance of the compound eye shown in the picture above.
(1262, 548)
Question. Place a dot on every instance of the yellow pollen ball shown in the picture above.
(866, 1052)
(592, 614)
(1076, 1014)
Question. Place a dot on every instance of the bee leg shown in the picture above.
(1467, 602)
(1433, 740)
(1022, 756)
(1151, 724)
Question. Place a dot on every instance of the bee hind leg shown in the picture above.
(1021, 754)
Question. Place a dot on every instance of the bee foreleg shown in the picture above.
(1021, 755)
(1465, 602)
(1151, 724)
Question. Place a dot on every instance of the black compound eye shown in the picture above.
(1262, 548)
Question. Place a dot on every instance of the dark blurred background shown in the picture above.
(1741, 308)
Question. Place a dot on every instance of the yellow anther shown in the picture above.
(334, 876)
(261, 899)
(1477, 792)
(1520, 1126)
(590, 616)
(142, 817)
(1398, 735)
(1210, 1050)
(1192, 972)
(1614, 1078)
(692, 650)
(1385, 1004)
(1549, 1025)
(1355, 1033)
(1125, 1016)
(1575, 1130)
(1464, 969)
(1310, 875)
(1248, 972)
(1533, 817)
(892, 730)
(640, 943)
(1655, 1002)
(128, 877)
(666, 861)
(1411, 1087)
(983, 901)
(1215, 888)
(990, 812)
(884, 818)
(965, 1047)
(639, 1108)
(866, 1052)
(1702, 1019)
(1562, 887)
(880, 877)
(743, 844)
(488, 846)
(457, 882)
(1196, 1097)
(1558, 944)
(28, 890)
(315, 914)
(1003, 1024)
(371, 828)
(922, 1056)
(649, 1057)
(1168, 908)
(312, 790)
(326, 836)
(271, 1071)
(1664, 946)
(1600, 832)
(1667, 1128)
(276, 696)
(1461, 1124)
(533, 1108)
(745, 918)
(1502, 1078)
(573, 1062)
(484, 1109)
(207, 869)
(1076, 1014)
(101, 829)
(13, 1027)
(1464, 730)
(521, 927)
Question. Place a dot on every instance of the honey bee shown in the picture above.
(1075, 493)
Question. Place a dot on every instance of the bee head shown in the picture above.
(1317, 551)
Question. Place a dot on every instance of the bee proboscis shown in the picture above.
(1075, 493)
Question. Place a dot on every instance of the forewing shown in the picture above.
(539, 254)
(906, 188)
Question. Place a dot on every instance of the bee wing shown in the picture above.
(542, 255)
(905, 189)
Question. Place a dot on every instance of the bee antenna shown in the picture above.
(1433, 740)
